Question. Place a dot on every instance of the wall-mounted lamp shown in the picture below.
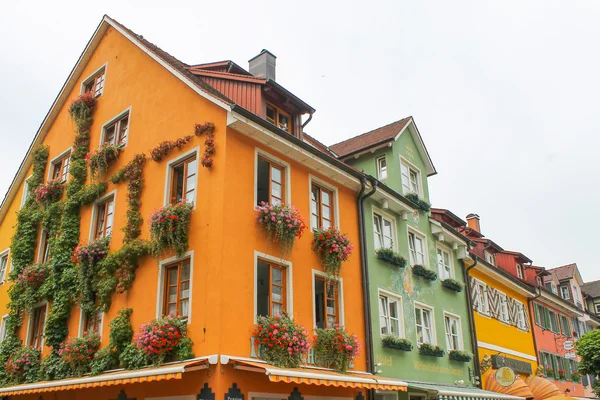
(385, 204)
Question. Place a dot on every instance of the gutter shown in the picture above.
(472, 329)
(532, 310)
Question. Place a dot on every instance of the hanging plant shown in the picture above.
(283, 224)
(576, 377)
(427, 349)
(49, 192)
(33, 276)
(121, 333)
(82, 105)
(169, 227)
(87, 257)
(424, 272)
(452, 284)
(164, 148)
(459, 355)
(23, 366)
(421, 204)
(132, 174)
(209, 143)
(78, 352)
(283, 342)
(99, 159)
(394, 342)
(334, 248)
(335, 348)
(391, 257)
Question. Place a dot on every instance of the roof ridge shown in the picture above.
(590, 282)
(372, 130)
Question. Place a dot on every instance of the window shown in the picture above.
(537, 313)
(279, 118)
(92, 323)
(104, 218)
(383, 229)
(44, 250)
(489, 257)
(452, 324)
(37, 321)
(381, 168)
(26, 192)
(520, 274)
(521, 317)
(482, 299)
(597, 308)
(410, 179)
(444, 264)
(3, 265)
(327, 311)
(554, 322)
(576, 332)
(271, 296)
(60, 168)
(538, 280)
(503, 315)
(117, 131)
(565, 326)
(3, 328)
(390, 322)
(177, 289)
(564, 292)
(270, 182)
(183, 181)
(321, 208)
(424, 325)
(416, 247)
(95, 84)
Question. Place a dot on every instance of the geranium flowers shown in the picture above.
(169, 228)
(283, 224)
(283, 341)
(49, 192)
(334, 248)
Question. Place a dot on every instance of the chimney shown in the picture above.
(263, 65)
(473, 222)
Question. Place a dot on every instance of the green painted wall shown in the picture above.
(410, 288)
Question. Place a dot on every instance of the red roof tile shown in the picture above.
(371, 138)
(564, 272)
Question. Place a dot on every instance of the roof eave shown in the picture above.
(299, 102)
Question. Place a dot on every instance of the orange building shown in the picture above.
(229, 272)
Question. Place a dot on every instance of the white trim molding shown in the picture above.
(53, 161)
(102, 199)
(5, 253)
(169, 174)
(160, 292)
(336, 204)
(501, 349)
(289, 307)
(120, 115)
(93, 76)
(340, 299)
(287, 174)
(392, 219)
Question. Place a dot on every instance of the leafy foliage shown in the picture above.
(282, 341)
(459, 355)
(334, 248)
(394, 342)
(23, 366)
(100, 159)
(121, 333)
(427, 349)
(169, 228)
(49, 192)
(390, 256)
(421, 204)
(424, 272)
(159, 339)
(588, 348)
(132, 174)
(453, 284)
(335, 348)
(87, 258)
(78, 352)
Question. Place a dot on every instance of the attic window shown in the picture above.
(489, 257)
(278, 118)
(95, 84)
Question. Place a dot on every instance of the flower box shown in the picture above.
(421, 204)
(424, 272)
(99, 159)
(169, 228)
(576, 377)
(33, 276)
(283, 342)
(23, 366)
(562, 374)
(91, 253)
(282, 223)
(452, 284)
(49, 192)
(78, 352)
(335, 348)
(458, 355)
(391, 257)
(334, 248)
(427, 349)
(159, 340)
(394, 342)
(82, 105)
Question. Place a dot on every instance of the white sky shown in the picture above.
(505, 93)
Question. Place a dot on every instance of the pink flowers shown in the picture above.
(86, 101)
(92, 252)
(334, 248)
(169, 227)
(49, 192)
(336, 348)
(99, 159)
(160, 336)
(21, 362)
(79, 352)
(33, 276)
(282, 223)
(282, 341)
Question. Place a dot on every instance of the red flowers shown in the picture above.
(49, 192)
(78, 352)
(334, 248)
(283, 224)
(336, 348)
(33, 276)
(169, 227)
(83, 103)
(283, 342)
(160, 336)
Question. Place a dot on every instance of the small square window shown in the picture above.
(92, 323)
(44, 249)
(489, 257)
(95, 84)
(381, 168)
(177, 289)
(271, 289)
(327, 304)
(481, 300)
(60, 168)
(117, 132)
(103, 224)
(321, 207)
(270, 182)
(411, 181)
(564, 292)
(279, 118)
(183, 181)
(520, 273)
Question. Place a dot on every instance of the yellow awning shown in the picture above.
(120, 377)
(319, 376)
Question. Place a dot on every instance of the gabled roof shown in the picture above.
(591, 289)
(224, 66)
(564, 272)
(449, 217)
(317, 144)
(519, 256)
(383, 135)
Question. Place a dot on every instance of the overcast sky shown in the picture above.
(505, 93)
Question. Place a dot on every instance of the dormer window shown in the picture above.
(411, 181)
(279, 118)
(489, 257)
(520, 274)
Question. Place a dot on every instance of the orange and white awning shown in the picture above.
(119, 377)
(316, 376)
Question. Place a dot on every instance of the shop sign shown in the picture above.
(516, 365)
(311, 358)
(234, 393)
(570, 356)
(568, 345)
(505, 376)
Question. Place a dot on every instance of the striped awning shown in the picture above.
(448, 392)
(319, 376)
(119, 377)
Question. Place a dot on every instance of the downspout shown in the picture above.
(532, 310)
(477, 364)
(306, 123)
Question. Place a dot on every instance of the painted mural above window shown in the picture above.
(494, 303)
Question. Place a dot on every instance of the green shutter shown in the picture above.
(537, 314)
(547, 323)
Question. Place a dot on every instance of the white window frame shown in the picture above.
(379, 168)
(3, 327)
(503, 312)
(398, 299)
(483, 308)
(392, 220)
(169, 174)
(30, 323)
(423, 306)
(459, 336)
(410, 166)
(288, 180)
(4, 253)
(40, 250)
(289, 306)
(93, 76)
(597, 308)
(425, 248)
(95, 212)
(441, 266)
(319, 182)
(521, 312)
(25, 191)
(340, 294)
(81, 327)
(553, 288)
(58, 157)
(162, 264)
(564, 288)
(491, 256)
(520, 271)
(120, 115)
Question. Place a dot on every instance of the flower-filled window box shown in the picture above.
(423, 272)
(283, 342)
(169, 228)
(562, 374)
(99, 159)
(452, 284)
(428, 349)
(421, 204)
(282, 223)
(335, 348)
(33, 276)
(391, 257)
(334, 248)
(82, 105)
(576, 377)
(459, 355)
(549, 371)
(394, 342)
(49, 192)
(23, 366)
(78, 352)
